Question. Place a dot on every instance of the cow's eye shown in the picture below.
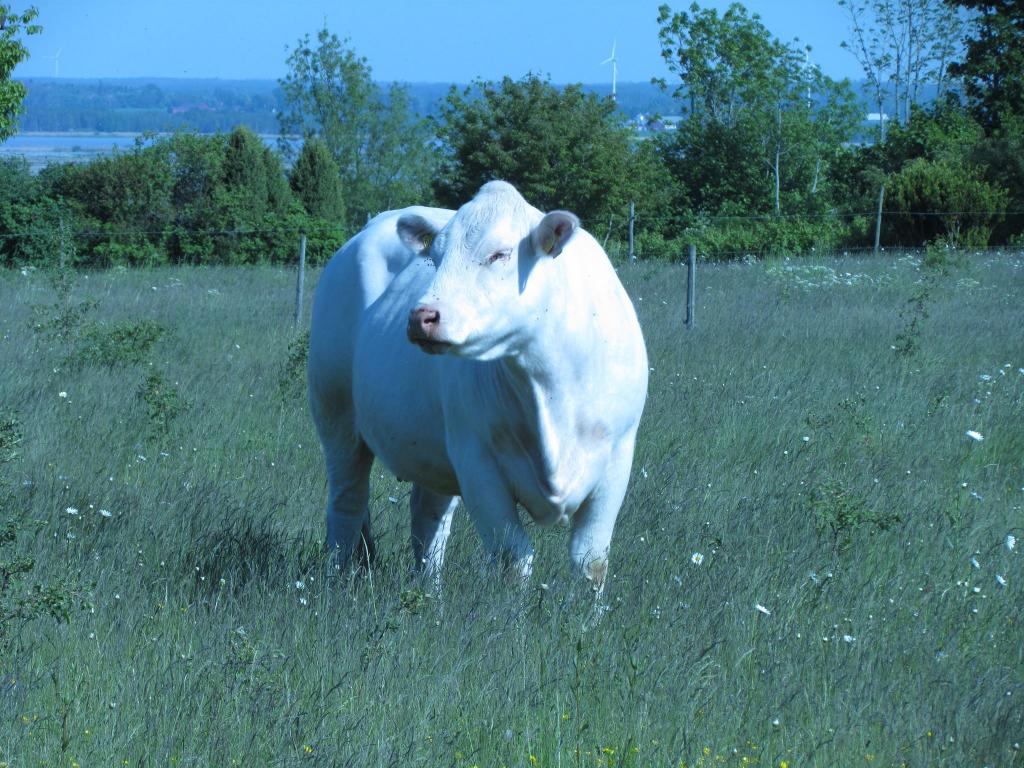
(499, 256)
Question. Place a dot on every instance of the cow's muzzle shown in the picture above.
(424, 330)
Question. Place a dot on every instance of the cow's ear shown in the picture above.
(554, 232)
(416, 232)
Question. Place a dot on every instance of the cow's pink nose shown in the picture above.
(423, 324)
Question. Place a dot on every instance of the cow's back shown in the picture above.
(353, 279)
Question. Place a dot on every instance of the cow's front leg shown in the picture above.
(594, 522)
(431, 515)
(492, 508)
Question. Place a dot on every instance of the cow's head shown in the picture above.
(489, 289)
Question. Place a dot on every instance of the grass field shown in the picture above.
(804, 450)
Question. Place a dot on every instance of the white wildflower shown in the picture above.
(974, 435)
(300, 585)
(985, 377)
(62, 393)
(975, 563)
(106, 513)
(696, 558)
(72, 510)
(849, 638)
(762, 609)
(1011, 541)
(1000, 580)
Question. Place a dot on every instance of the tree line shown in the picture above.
(765, 158)
(138, 105)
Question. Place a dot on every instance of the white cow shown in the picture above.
(489, 353)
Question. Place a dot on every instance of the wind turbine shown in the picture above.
(615, 68)
(56, 62)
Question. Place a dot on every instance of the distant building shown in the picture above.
(655, 124)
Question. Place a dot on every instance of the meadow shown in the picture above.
(815, 565)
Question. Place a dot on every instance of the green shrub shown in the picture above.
(293, 374)
(942, 200)
(127, 343)
(163, 401)
(20, 600)
(63, 319)
(839, 512)
(724, 238)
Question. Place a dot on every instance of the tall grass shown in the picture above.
(794, 455)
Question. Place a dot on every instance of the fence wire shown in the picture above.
(674, 249)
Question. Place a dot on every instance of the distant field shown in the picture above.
(40, 149)
(804, 450)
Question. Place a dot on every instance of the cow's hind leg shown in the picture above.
(431, 515)
(349, 538)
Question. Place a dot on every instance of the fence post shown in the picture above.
(632, 217)
(691, 284)
(878, 221)
(300, 280)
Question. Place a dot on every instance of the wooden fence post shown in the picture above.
(632, 218)
(300, 280)
(691, 285)
(878, 221)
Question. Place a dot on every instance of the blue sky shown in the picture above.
(424, 41)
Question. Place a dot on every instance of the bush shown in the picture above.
(220, 199)
(736, 238)
(126, 343)
(941, 200)
(21, 601)
(163, 402)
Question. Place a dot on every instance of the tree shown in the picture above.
(12, 52)
(721, 62)
(900, 45)
(562, 148)
(316, 183)
(780, 118)
(252, 200)
(123, 200)
(1002, 155)
(992, 66)
(382, 152)
(245, 176)
(29, 215)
